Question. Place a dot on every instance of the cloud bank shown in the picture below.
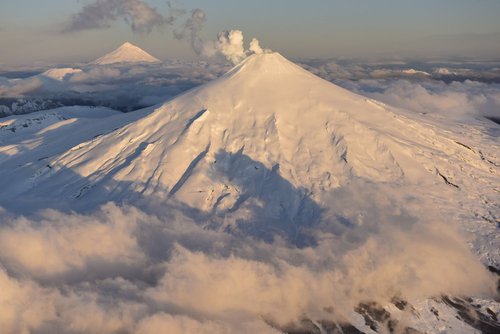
(123, 88)
(458, 101)
(130, 88)
(459, 91)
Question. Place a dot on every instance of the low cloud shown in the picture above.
(229, 44)
(445, 71)
(16, 88)
(124, 88)
(147, 85)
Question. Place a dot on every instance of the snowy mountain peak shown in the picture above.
(128, 45)
(126, 53)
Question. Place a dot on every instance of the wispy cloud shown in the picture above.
(101, 13)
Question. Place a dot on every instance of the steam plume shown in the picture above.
(143, 19)
(191, 30)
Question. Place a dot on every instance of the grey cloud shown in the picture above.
(191, 30)
(99, 14)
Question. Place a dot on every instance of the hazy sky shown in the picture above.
(30, 30)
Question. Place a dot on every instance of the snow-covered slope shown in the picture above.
(29, 141)
(269, 132)
(126, 53)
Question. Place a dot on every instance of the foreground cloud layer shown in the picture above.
(122, 269)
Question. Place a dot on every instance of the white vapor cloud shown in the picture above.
(255, 47)
(100, 13)
(230, 44)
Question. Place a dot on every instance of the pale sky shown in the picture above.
(30, 30)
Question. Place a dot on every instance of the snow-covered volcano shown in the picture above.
(265, 143)
(126, 53)
(266, 152)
